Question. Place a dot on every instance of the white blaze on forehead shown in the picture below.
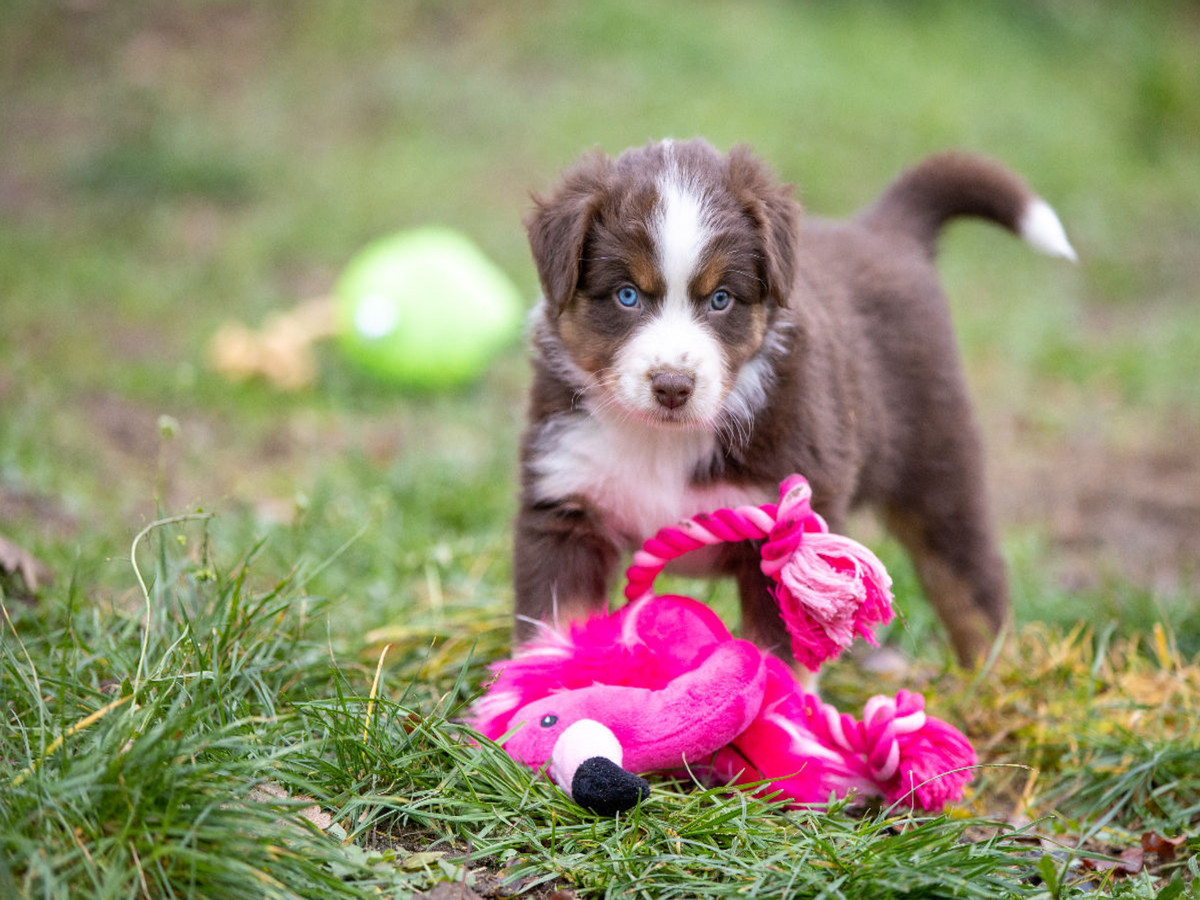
(680, 231)
(675, 339)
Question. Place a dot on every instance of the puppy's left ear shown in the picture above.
(559, 224)
(775, 214)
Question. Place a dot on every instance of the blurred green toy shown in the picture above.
(423, 308)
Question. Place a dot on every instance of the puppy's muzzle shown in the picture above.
(672, 388)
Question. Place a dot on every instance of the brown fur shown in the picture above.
(868, 399)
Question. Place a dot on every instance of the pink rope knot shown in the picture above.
(829, 588)
(908, 756)
(934, 758)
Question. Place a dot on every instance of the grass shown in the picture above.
(216, 744)
(204, 712)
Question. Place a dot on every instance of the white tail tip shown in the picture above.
(1042, 230)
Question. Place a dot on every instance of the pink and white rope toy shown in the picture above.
(662, 685)
(829, 587)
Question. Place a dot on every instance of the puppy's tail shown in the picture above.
(947, 185)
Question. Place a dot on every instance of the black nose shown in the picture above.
(672, 388)
(605, 788)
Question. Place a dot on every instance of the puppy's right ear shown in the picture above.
(559, 224)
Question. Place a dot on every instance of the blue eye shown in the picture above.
(628, 296)
(720, 300)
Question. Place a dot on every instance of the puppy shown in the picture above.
(699, 339)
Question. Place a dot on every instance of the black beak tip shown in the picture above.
(606, 789)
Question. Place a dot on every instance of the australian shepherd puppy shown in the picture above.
(699, 338)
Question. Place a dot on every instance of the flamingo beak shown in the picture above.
(586, 763)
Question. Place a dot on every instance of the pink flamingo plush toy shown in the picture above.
(661, 684)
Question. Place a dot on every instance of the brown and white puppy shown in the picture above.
(699, 339)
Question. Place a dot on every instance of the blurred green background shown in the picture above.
(167, 166)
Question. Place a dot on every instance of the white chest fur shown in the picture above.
(640, 477)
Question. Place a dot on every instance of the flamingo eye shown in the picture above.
(548, 721)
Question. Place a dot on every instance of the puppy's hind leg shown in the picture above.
(959, 567)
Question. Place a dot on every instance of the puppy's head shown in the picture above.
(660, 272)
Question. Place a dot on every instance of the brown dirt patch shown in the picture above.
(1126, 507)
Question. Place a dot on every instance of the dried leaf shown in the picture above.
(1164, 847)
(1130, 862)
(270, 791)
(14, 560)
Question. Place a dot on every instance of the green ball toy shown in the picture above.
(425, 309)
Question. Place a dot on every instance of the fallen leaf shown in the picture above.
(269, 791)
(16, 561)
(1130, 862)
(1164, 847)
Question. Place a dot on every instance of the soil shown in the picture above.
(1127, 509)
